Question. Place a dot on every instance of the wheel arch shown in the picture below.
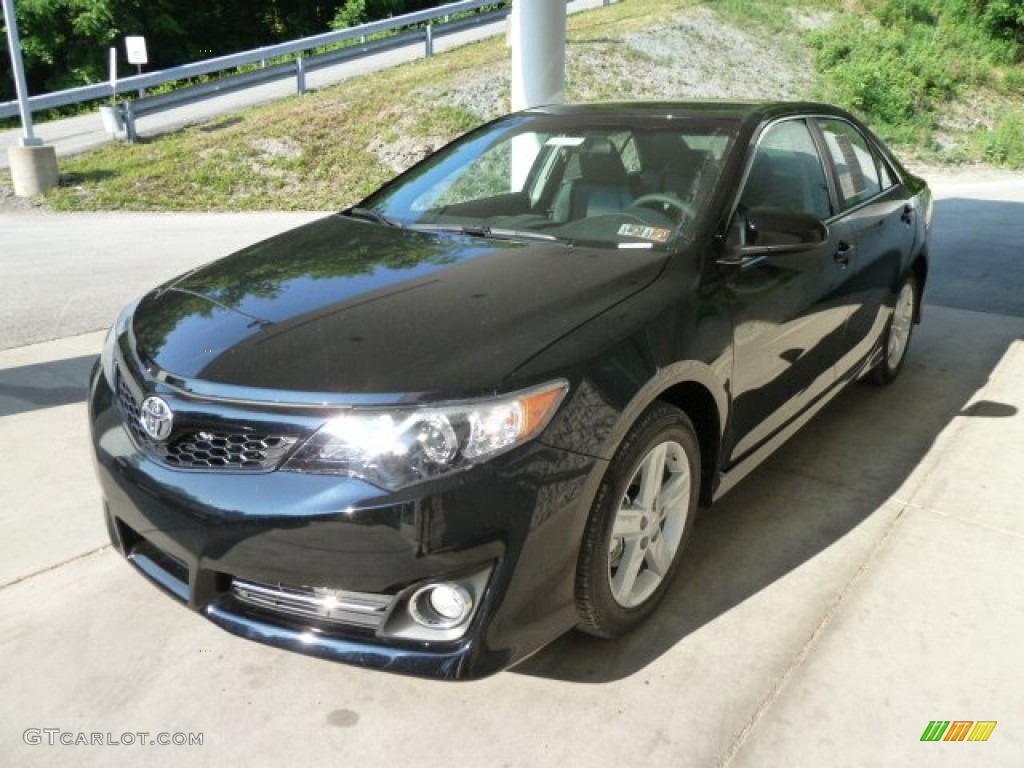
(919, 269)
(694, 388)
(697, 402)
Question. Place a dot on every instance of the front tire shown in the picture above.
(896, 340)
(639, 523)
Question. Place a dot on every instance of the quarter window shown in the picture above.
(856, 165)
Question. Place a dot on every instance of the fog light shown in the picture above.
(440, 606)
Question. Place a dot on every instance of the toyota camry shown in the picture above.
(433, 432)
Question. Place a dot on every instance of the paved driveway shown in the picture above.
(864, 582)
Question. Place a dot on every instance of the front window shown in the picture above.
(626, 184)
(786, 173)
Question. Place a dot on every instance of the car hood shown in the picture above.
(343, 306)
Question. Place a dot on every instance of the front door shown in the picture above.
(789, 311)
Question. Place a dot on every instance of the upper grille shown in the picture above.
(130, 411)
(212, 450)
(206, 449)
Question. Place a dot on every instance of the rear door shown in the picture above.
(789, 311)
(880, 216)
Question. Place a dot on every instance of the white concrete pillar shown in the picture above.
(538, 53)
(33, 169)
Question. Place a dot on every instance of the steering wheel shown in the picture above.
(660, 201)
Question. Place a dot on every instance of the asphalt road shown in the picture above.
(864, 582)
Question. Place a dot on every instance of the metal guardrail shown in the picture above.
(296, 68)
(130, 110)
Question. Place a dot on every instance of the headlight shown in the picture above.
(120, 326)
(397, 447)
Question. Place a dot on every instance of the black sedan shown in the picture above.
(435, 431)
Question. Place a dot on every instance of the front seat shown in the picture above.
(602, 186)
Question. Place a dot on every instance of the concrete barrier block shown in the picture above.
(33, 169)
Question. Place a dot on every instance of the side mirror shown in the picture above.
(760, 232)
(769, 229)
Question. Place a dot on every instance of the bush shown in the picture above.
(904, 61)
(1013, 80)
(1004, 144)
(895, 76)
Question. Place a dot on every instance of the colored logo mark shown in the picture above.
(958, 730)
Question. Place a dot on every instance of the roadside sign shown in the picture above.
(135, 47)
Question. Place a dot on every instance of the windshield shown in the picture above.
(627, 183)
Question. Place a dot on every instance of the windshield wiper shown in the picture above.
(369, 214)
(491, 233)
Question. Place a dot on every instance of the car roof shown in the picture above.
(747, 111)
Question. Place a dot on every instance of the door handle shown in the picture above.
(843, 254)
(908, 214)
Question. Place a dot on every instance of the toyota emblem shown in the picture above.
(156, 418)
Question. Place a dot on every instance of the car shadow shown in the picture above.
(842, 467)
(977, 256)
(44, 385)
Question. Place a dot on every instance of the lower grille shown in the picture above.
(206, 449)
(360, 609)
(166, 570)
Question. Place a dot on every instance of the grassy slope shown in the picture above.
(311, 152)
(322, 151)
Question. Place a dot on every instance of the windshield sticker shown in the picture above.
(656, 234)
(565, 141)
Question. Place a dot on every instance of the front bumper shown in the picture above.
(511, 526)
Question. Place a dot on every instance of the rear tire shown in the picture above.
(896, 339)
(639, 524)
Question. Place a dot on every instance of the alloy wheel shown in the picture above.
(902, 321)
(649, 524)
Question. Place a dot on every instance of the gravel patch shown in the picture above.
(273, 148)
(404, 151)
(11, 204)
(695, 55)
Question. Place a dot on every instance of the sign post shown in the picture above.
(135, 48)
(109, 114)
(20, 86)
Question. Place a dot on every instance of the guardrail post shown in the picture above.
(128, 115)
(300, 75)
(430, 40)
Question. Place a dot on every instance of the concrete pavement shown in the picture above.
(83, 268)
(864, 582)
